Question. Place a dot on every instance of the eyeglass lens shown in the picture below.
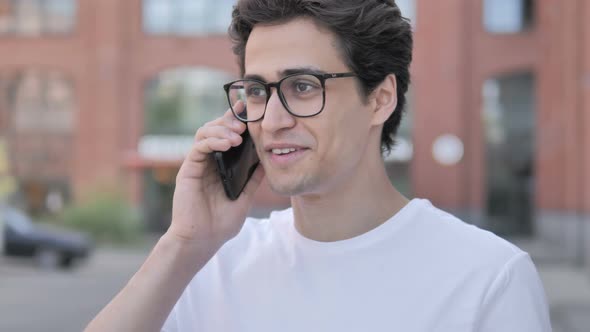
(302, 94)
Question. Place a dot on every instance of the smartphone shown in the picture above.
(236, 166)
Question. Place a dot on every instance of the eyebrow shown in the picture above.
(287, 72)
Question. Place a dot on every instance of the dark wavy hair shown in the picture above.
(373, 38)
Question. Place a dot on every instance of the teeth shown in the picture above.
(283, 151)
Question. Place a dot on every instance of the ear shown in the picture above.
(384, 97)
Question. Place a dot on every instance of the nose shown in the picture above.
(276, 116)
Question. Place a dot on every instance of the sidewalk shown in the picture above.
(567, 286)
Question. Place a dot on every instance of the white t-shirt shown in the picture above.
(422, 270)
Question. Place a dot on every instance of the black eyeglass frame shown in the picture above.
(277, 85)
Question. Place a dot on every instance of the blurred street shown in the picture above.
(34, 300)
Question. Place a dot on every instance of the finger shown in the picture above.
(222, 128)
(233, 122)
(217, 131)
(202, 149)
(229, 119)
(238, 107)
(254, 183)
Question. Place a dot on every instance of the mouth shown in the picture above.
(284, 156)
(283, 151)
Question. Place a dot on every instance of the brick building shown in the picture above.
(108, 91)
(512, 82)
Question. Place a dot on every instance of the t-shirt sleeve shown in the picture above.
(516, 300)
(170, 325)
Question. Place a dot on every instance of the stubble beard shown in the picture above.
(291, 184)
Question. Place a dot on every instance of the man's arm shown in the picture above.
(516, 300)
(203, 219)
(147, 299)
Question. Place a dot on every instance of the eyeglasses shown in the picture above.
(302, 95)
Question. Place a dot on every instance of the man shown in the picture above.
(324, 85)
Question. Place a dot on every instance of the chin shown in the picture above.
(284, 189)
(289, 187)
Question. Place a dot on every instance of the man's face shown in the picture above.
(328, 148)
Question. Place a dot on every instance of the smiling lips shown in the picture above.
(284, 155)
(282, 148)
(283, 151)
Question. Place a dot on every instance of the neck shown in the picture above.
(350, 208)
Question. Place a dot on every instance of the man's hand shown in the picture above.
(203, 219)
(201, 212)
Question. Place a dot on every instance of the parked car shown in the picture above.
(52, 247)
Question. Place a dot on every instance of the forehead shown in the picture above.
(273, 49)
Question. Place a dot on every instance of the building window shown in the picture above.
(40, 110)
(41, 101)
(508, 16)
(37, 17)
(178, 102)
(186, 17)
(509, 121)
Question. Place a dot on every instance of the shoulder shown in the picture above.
(484, 266)
(445, 236)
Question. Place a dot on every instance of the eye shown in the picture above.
(255, 91)
(303, 86)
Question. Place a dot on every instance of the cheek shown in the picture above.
(344, 136)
